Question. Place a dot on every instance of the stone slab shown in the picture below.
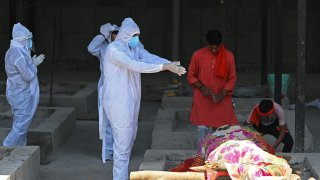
(154, 91)
(241, 104)
(176, 102)
(22, 163)
(186, 101)
(50, 129)
(82, 96)
(173, 130)
(158, 159)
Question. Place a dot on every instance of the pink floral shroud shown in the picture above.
(244, 159)
(226, 133)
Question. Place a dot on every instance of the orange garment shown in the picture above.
(203, 68)
(256, 114)
(221, 63)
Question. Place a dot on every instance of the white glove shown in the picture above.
(174, 67)
(37, 60)
(99, 39)
(106, 29)
(176, 63)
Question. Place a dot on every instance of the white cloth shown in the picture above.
(22, 89)
(315, 103)
(123, 92)
(97, 47)
(106, 30)
(20, 34)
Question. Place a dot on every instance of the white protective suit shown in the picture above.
(98, 47)
(123, 92)
(22, 85)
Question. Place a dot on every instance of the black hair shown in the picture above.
(265, 105)
(115, 32)
(214, 37)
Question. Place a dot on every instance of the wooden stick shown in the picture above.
(165, 175)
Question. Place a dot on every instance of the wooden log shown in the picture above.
(165, 175)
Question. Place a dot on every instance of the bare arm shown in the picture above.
(283, 131)
(205, 91)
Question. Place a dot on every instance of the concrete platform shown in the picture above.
(51, 127)
(240, 91)
(173, 130)
(82, 96)
(20, 163)
(243, 106)
(186, 102)
(162, 160)
(155, 92)
(183, 95)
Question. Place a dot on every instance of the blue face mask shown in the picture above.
(133, 42)
(29, 44)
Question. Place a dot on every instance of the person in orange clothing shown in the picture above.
(212, 75)
(268, 117)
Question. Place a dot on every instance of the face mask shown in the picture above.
(29, 44)
(134, 41)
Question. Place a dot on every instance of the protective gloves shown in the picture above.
(38, 60)
(174, 67)
(99, 38)
(106, 29)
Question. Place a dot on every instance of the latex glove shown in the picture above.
(177, 63)
(174, 67)
(99, 38)
(38, 60)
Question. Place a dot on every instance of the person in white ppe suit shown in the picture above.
(22, 84)
(126, 59)
(98, 47)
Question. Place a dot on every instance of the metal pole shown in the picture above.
(264, 42)
(300, 82)
(175, 32)
(278, 58)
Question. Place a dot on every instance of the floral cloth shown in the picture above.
(243, 159)
(226, 133)
(221, 135)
